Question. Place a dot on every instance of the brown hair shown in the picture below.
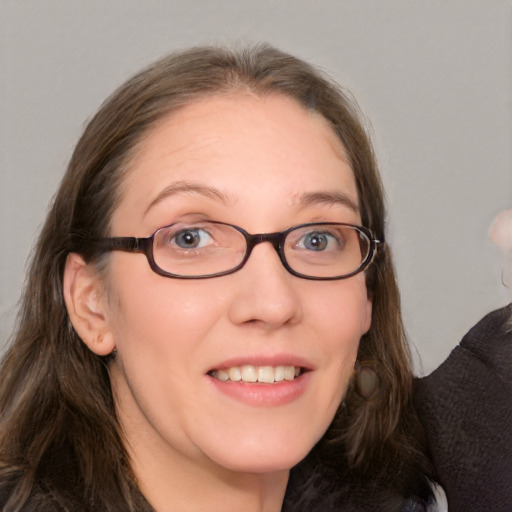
(55, 394)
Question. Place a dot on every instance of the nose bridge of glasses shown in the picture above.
(273, 238)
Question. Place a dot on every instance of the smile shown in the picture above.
(262, 374)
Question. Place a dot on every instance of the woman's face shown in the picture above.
(264, 165)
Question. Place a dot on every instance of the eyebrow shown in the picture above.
(187, 187)
(328, 198)
(306, 199)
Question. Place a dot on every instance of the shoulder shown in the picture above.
(54, 487)
(318, 484)
(39, 500)
(490, 342)
(53, 491)
(477, 372)
(466, 409)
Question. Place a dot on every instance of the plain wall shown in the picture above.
(433, 76)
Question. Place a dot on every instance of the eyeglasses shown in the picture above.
(205, 249)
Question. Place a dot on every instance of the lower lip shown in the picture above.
(261, 394)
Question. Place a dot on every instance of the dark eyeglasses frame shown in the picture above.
(145, 246)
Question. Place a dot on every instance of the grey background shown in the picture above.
(434, 77)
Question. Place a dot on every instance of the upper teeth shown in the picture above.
(250, 373)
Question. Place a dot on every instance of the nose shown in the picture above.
(265, 291)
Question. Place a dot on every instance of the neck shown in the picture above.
(181, 485)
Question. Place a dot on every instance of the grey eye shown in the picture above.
(191, 238)
(318, 241)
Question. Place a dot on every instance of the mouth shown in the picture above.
(257, 374)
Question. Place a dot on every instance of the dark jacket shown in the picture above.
(466, 409)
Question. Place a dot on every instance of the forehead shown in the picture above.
(273, 113)
(240, 143)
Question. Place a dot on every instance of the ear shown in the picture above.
(367, 315)
(86, 305)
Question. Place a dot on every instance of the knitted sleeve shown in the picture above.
(466, 408)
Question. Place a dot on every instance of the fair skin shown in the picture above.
(198, 443)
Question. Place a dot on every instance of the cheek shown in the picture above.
(151, 309)
(341, 314)
(342, 309)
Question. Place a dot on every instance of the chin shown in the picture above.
(263, 457)
(259, 466)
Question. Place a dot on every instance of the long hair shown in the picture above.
(55, 394)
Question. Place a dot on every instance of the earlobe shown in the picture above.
(86, 306)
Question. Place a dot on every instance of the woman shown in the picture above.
(211, 301)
